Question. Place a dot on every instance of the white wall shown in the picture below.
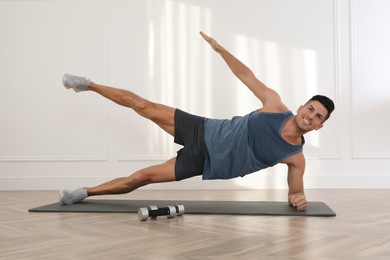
(52, 138)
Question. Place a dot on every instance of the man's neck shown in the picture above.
(291, 133)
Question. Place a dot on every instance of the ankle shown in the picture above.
(87, 190)
(92, 86)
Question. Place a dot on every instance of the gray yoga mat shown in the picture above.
(271, 208)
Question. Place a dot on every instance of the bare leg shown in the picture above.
(160, 114)
(154, 174)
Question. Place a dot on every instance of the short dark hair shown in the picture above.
(326, 102)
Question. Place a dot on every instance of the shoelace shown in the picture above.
(79, 79)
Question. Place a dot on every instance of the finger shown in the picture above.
(205, 36)
(299, 202)
(299, 198)
(302, 208)
(210, 40)
(302, 205)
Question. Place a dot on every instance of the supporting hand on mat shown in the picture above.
(298, 201)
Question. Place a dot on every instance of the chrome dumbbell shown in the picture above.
(154, 212)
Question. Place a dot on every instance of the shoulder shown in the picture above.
(274, 103)
(296, 160)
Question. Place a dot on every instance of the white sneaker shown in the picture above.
(68, 197)
(75, 82)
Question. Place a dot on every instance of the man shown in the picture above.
(218, 149)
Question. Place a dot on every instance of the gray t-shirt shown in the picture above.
(245, 144)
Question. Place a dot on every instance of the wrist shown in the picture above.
(220, 49)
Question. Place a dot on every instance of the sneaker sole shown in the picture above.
(61, 195)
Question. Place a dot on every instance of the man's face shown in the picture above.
(310, 116)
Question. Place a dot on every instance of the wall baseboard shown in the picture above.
(198, 184)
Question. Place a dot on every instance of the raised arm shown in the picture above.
(270, 98)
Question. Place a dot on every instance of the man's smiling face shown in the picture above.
(310, 116)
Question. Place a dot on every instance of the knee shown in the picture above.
(145, 108)
(142, 105)
(141, 178)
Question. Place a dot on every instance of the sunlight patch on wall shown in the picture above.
(151, 50)
(247, 51)
(310, 71)
(311, 74)
(178, 62)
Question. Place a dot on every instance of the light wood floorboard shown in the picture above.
(361, 229)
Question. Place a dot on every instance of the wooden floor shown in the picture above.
(360, 230)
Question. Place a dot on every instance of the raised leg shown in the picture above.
(160, 114)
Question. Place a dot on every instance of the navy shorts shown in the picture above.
(189, 132)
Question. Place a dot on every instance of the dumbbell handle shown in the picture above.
(161, 212)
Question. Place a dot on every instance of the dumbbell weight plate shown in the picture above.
(179, 209)
(172, 212)
(143, 214)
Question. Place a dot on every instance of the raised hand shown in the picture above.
(213, 43)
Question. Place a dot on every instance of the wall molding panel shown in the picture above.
(54, 159)
(360, 80)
